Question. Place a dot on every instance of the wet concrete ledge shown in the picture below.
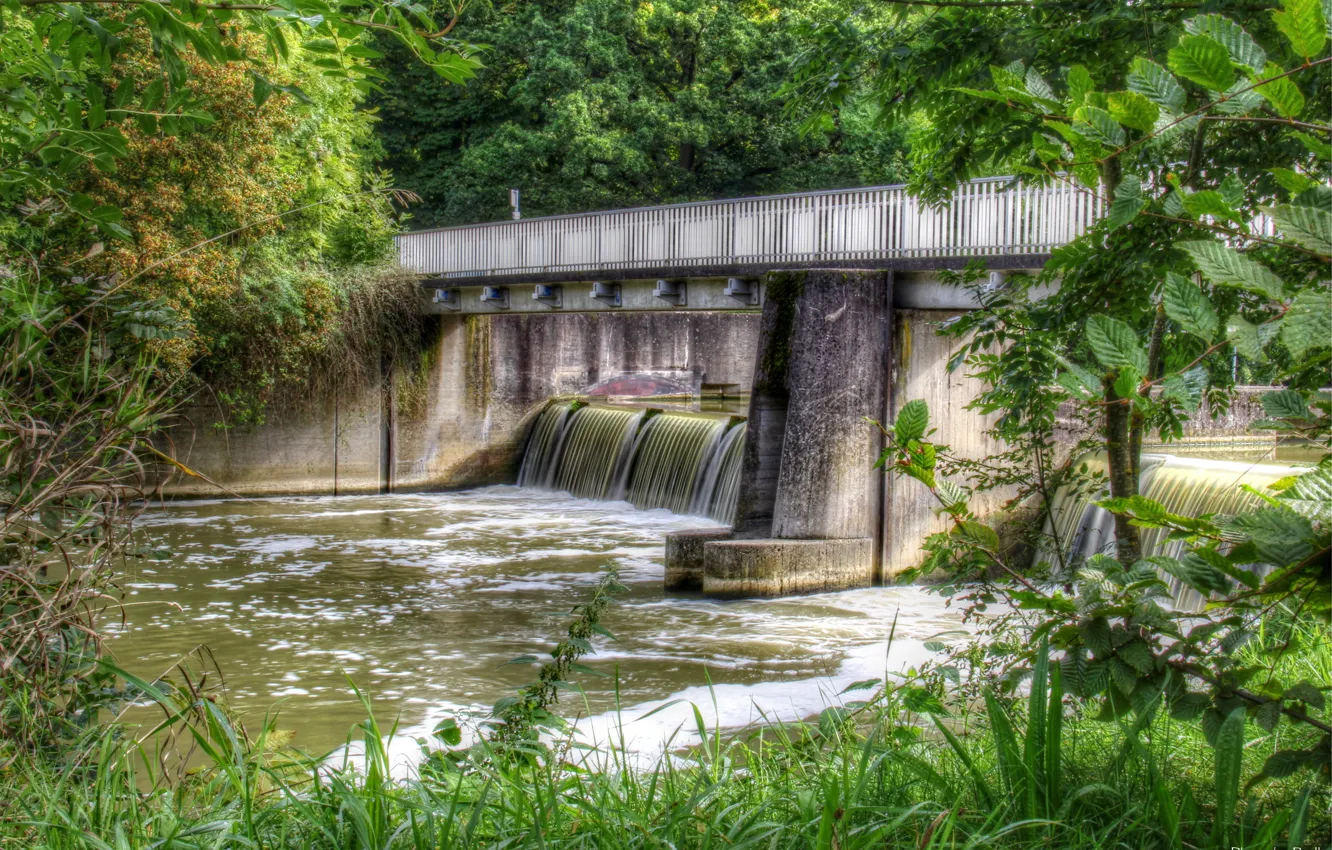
(722, 566)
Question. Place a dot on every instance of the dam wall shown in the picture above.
(824, 352)
(458, 417)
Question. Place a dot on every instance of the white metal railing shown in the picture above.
(984, 218)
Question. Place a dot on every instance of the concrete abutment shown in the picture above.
(809, 507)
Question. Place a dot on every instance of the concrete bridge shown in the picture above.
(712, 255)
(835, 277)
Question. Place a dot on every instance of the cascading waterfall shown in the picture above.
(541, 444)
(1185, 486)
(720, 486)
(682, 462)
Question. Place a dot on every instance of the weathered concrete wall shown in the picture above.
(457, 418)
(335, 445)
(493, 372)
(920, 361)
(838, 350)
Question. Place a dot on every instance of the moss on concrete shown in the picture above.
(781, 293)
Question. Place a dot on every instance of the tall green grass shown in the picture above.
(1015, 773)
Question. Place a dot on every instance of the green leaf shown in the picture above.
(1009, 80)
(1210, 202)
(1309, 226)
(1224, 265)
(447, 730)
(1284, 95)
(1229, 764)
(1187, 305)
(1137, 655)
(1079, 83)
(1128, 201)
(1317, 147)
(1115, 344)
(1156, 84)
(1232, 190)
(1285, 404)
(1038, 88)
(862, 685)
(1239, 44)
(978, 534)
(1280, 536)
(1124, 676)
(1078, 381)
(1187, 387)
(1283, 763)
(1308, 322)
(1310, 495)
(1194, 572)
(123, 93)
(1201, 59)
(263, 89)
(1127, 381)
(1188, 706)
(1305, 692)
(951, 495)
(1095, 634)
(1097, 124)
(1267, 716)
(96, 106)
(1134, 110)
(912, 421)
(1292, 181)
(1239, 99)
(1243, 334)
(1303, 25)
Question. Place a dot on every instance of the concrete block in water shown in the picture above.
(773, 567)
(685, 554)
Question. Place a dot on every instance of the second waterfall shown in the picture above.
(686, 463)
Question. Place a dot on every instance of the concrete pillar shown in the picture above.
(768, 400)
(827, 488)
(807, 514)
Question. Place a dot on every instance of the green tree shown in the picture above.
(1207, 137)
(589, 104)
(169, 132)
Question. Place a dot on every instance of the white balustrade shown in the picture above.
(984, 218)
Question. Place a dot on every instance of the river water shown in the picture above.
(421, 600)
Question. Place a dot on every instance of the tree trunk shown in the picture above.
(686, 160)
(1137, 422)
(1123, 480)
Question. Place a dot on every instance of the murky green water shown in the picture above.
(422, 599)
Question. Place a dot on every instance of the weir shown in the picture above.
(685, 463)
(1078, 529)
(822, 308)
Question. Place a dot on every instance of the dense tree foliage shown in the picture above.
(590, 104)
(178, 182)
(1207, 135)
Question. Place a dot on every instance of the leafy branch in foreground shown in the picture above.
(73, 425)
(520, 719)
(1122, 641)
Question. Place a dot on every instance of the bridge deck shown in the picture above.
(876, 227)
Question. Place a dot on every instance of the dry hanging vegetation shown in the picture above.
(74, 424)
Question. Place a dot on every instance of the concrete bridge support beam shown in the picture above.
(809, 501)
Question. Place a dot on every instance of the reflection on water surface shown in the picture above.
(422, 599)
